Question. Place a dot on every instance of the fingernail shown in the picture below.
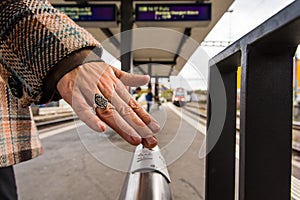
(150, 142)
(135, 140)
(154, 126)
(101, 127)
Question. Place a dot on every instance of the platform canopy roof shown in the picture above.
(158, 50)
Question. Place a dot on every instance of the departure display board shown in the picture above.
(90, 15)
(173, 12)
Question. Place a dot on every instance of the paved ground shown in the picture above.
(70, 167)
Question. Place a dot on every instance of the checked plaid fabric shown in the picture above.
(34, 38)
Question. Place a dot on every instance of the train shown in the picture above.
(179, 97)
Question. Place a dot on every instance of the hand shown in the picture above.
(123, 113)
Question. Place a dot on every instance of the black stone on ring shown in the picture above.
(101, 101)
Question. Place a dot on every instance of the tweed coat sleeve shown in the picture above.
(35, 39)
(38, 45)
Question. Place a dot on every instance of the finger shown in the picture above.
(111, 117)
(127, 113)
(137, 108)
(133, 80)
(144, 115)
(130, 117)
(85, 114)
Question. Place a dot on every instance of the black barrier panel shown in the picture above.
(266, 58)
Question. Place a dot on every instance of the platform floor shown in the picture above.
(72, 167)
(81, 164)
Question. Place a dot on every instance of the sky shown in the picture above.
(245, 15)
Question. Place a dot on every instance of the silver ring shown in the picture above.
(101, 101)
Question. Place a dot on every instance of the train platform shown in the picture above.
(69, 169)
(74, 165)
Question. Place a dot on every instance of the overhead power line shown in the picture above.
(215, 43)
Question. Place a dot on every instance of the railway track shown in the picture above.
(53, 122)
(296, 125)
(295, 181)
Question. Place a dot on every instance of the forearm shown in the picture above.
(35, 40)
